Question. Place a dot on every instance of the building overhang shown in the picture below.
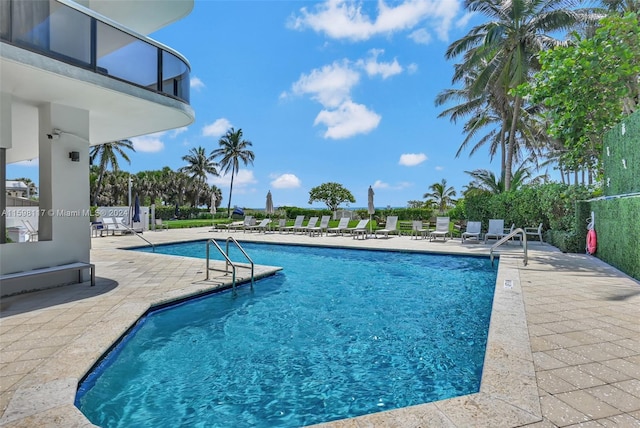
(117, 109)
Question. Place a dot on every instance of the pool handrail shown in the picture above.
(231, 238)
(228, 260)
(518, 231)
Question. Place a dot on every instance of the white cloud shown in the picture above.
(439, 168)
(174, 133)
(347, 120)
(196, 83)
(346, 19)
(241, 181)
(330, 85)
(217, 128)
(285, 181)
(380, 185)
(399, 186)
(384, 69)
(412, 68)
(421, 36)
(151, 143)
(412, 159)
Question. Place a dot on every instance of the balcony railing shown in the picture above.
(77, 36)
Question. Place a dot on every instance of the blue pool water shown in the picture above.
(337, 334)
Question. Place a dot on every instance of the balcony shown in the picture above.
(75, 35)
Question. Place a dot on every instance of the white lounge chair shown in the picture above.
(313, 222)
(359, 230)
(342, 227)
(496, 230)
(391, 226)
(324, 224)
(262, 226)
(296, 225)
(115, 224)
(248, 221)
(534, 231)
(474, 230)
(417, 229)
(442, 229)
(514, 237)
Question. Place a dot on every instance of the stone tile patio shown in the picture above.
(564, 341)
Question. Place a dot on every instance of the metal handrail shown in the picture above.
(132, 230)
(228, 260)
(231, 238)
(507, 238)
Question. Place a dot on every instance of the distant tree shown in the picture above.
(232, 150)
(107, 154)
(332, 194)
(199, 165)
(415, 204)
(441, 195)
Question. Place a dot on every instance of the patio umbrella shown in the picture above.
(136, 210)
(176, 212)
(269, 206)
(371, 209)
(214, 200)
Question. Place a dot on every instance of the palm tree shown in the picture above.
(107, 154)
(232, 150)
(441, 195)
(199, 166)
(507, 48)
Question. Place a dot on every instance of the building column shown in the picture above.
(64, 182)
(5, 143)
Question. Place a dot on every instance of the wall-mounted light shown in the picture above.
(74, 156)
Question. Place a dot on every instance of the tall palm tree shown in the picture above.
(233, 149)
(199, 165)
(441, 195)
(508, 45)
(107, 154)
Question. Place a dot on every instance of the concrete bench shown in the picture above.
(79, 266)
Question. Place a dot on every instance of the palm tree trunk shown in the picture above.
(503, 154)
(233, 172)
(512, 142)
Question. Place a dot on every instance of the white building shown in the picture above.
(75, 74)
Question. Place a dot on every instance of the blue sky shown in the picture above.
(326, 91)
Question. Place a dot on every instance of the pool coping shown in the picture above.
(508, 393)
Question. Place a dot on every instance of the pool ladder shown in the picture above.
(518, 231)
(228, 262)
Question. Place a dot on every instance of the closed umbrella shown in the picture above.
(214, 200)
(176, 211)
(269, 206)
(136, 210)
(371, 209)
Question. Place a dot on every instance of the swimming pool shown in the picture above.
(337, 334)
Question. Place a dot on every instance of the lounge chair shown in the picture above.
(33, 232)
(115, 224)
(342, 227)
(496, 230)
(391, 226)
(442, 229)
(296, 225)
(359, 230)
(282, 223)
(324, 224)
(417, 229)
(313, 222)
(262, 226)
(474, 230)
(237, 225)
(534, 231)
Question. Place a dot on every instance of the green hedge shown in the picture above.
(618, 232)
(618, 179)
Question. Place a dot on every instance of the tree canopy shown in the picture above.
(588, 87)
(332, 194)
